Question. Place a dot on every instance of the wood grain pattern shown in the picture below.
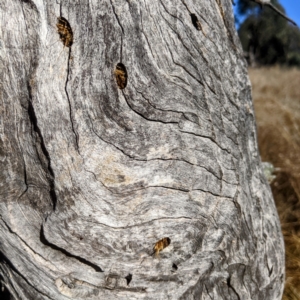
(91, 178)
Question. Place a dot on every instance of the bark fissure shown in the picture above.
(232, 288)
(180, 85)
(146, 38)
(112, 144)
(21, 239)
(7, 291)
(188, 72)
(65, 252)
(210, 192)
(34, 123)
(149, 222)
(188, 36)
(106, 187)
(69, 102)
(117, 17)
(207, 292)
(186, 6)
(141, 115)
(162, 159)
(186, 161)
(4, 258)
(24, 169)
(210, 138)
(185, 69)
(180, 38)
(156, 108)
(229, 34)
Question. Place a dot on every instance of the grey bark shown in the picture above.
(92, 176)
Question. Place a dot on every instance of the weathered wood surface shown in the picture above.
(92, 176)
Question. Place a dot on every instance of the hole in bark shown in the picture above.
(121, 75)
(174, 267)
(270, 271)
(128, 278)
(65, 31)
(196, 22)
(228, 281)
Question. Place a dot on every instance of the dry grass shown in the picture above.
(276, 94)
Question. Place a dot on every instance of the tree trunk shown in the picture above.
(123, 123)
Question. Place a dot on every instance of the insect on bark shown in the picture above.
(121, 75)
(65, 31)
(160, 245)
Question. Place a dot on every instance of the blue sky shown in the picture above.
(292, 8)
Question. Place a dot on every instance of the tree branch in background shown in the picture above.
(268, 3)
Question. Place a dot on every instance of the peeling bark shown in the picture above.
(95, 172)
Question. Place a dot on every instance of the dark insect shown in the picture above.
(160, 245)
(65, 31)
(121, 76)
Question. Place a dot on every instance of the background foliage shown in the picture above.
(266, 37)
(276, 96)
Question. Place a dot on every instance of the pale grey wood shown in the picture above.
(93, 176)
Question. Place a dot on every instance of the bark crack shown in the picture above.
(147, 222)
(34, 123)
(184, 68)
(175, 32)
(195, 165)
(229, 34)
(110, 143)
(159, 109)
(178, 77)
(117, 17)
(13, 268)
(210, 138)
(24, 171)
(186, 6)
(141, 115)
(180, 39)
(181, 189)
(213, 194)
(100, 182)
(232, 288)
(145, 34)
(23, 241)
(70, 107)
(25, 179)
(207, 291)
(65, 252)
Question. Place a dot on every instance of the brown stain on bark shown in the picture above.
(111, 173)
